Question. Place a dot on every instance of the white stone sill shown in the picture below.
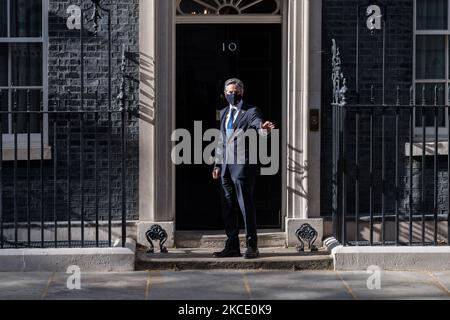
(22, 153)
(429, 148)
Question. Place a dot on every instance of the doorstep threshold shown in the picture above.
(202, 259)
(216, 239)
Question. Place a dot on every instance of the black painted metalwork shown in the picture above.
(156, 233)
(402, 192)
(307, 234)
(65, 143)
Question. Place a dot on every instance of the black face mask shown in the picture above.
(234, 99)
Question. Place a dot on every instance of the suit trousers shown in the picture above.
(242, 190)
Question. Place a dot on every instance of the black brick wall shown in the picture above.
(339, 22)
(64, 77)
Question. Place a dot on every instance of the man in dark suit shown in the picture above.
(238, 175)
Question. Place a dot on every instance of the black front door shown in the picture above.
(207, 55)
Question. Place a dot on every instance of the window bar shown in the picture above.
(8, 18)
(55, 176)
(371, 164)
(28, 168)
(436, 151)
(41, 128)
(1, 174)
(15, 168)
(69, 191)
(423, 166)
(357, 176)
(96, 171)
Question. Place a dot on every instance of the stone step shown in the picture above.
(202, 259)
(216, 239)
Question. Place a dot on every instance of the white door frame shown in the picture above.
(301, 25)
(247, 19)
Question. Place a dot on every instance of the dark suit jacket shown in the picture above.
(249, 118)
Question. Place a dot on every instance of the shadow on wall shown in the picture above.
(300, 171)
(147, 80)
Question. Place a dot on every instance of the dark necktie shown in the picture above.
(230, 124)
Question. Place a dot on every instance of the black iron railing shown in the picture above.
(63, 176)
(63, 167)
(391, 165)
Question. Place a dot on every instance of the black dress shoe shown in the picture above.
(251, 253)
(228, 253)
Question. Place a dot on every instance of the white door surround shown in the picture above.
(301, 20)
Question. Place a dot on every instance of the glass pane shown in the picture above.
(432, 15)
(250, 6)
(225, 7)
(3, 19)
(3, 65)
(26, 67)
(27, 100)
(430, 57)
(26, 18)
(192, 7)
(4, 107)
(425, 93)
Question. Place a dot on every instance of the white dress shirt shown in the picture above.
(238, 108)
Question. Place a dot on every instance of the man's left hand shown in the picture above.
(269, 126)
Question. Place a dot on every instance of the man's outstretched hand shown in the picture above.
(216, 173)
(269, 126)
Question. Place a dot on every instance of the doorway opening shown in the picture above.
(206, 56)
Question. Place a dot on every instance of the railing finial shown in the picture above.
(122, 94)
(339, 82)
(96, 16)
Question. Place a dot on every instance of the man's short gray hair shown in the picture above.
(235, 81)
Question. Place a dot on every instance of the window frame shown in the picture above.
(429, 130)
(35, 138)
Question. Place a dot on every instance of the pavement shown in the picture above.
(225, 285)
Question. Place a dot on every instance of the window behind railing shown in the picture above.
(23, 43)
(432, 68)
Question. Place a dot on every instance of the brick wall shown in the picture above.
(340, 23)
(64, 94)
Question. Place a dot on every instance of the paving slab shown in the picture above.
(226, 285)
(23, 286)
(195, 285)
(394, 285)
(100, 286)
(442, 280)
(306, 285)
